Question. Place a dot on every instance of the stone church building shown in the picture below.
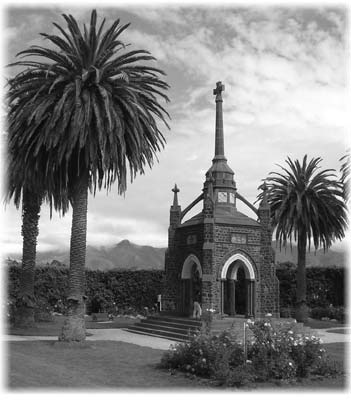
(220, 257)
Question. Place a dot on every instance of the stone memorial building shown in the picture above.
(220, 257)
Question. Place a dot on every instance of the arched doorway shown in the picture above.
(191, 284)
(238, 286)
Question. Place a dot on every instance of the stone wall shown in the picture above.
(211, 243)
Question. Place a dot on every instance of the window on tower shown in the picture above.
(222, 197)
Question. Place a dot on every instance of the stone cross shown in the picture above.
(218, 90)
(175, 190)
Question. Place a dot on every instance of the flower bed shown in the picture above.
(272, 353)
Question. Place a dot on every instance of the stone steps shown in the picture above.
(179, 329)
(173, 328)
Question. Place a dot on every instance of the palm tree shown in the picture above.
(345, 174)
(24, 183)
(306, 206)
(92, 107)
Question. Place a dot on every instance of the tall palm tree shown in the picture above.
(24, 182)
(306, 206)
(92, 107)
(345, 174)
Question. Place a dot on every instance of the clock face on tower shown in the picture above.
(231, 198)
(222, 197)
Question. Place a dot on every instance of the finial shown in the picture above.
(264, 188)
(218, 91)
(175, 190)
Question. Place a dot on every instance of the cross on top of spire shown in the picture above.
(218, 91)
(175, 190)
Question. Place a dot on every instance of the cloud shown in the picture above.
(287, 91)
(160, 16)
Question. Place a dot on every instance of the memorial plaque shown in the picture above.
(239, 238)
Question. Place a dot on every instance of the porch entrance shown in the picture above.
(191, 285)
(238, 287)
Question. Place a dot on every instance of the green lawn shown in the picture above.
(99, 365)
(106, 365)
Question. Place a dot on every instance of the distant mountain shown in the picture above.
(123, 255)
(132, 256)
(319, 258)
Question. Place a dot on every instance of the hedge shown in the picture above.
(139, 289)
(325, 286)
(133, 290)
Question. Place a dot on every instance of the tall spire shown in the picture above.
(219, 144)
(220, 176)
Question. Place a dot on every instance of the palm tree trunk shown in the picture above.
(25, 304)
(74, 325)
(301, 306)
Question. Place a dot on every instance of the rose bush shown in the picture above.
(271, 353)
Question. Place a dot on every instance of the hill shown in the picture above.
(132, 256)
(319, 258)
(121, 256)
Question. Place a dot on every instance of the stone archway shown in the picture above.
(191, 287)
(238, 275)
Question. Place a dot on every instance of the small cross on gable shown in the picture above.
(175, 189)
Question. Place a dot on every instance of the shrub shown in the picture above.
(273, 352)
(42, 312)
(241, 375)
(338, 313)
(206, 355)
(282, 352)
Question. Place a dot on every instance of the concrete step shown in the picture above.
(159, 333)
(174, 324)
(170, 328)
(174, 328)
(178, 328)
(176, 320)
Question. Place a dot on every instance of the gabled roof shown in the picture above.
(223, 216)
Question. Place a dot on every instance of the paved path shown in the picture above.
(121, 335)
(118, 335)
(332, 337)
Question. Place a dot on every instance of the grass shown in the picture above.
(108, 365)
(111, 365)
(103, 364)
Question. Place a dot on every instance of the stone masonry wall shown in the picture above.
(224, 249)
(183, 245)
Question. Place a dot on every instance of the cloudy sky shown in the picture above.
(286, 93)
